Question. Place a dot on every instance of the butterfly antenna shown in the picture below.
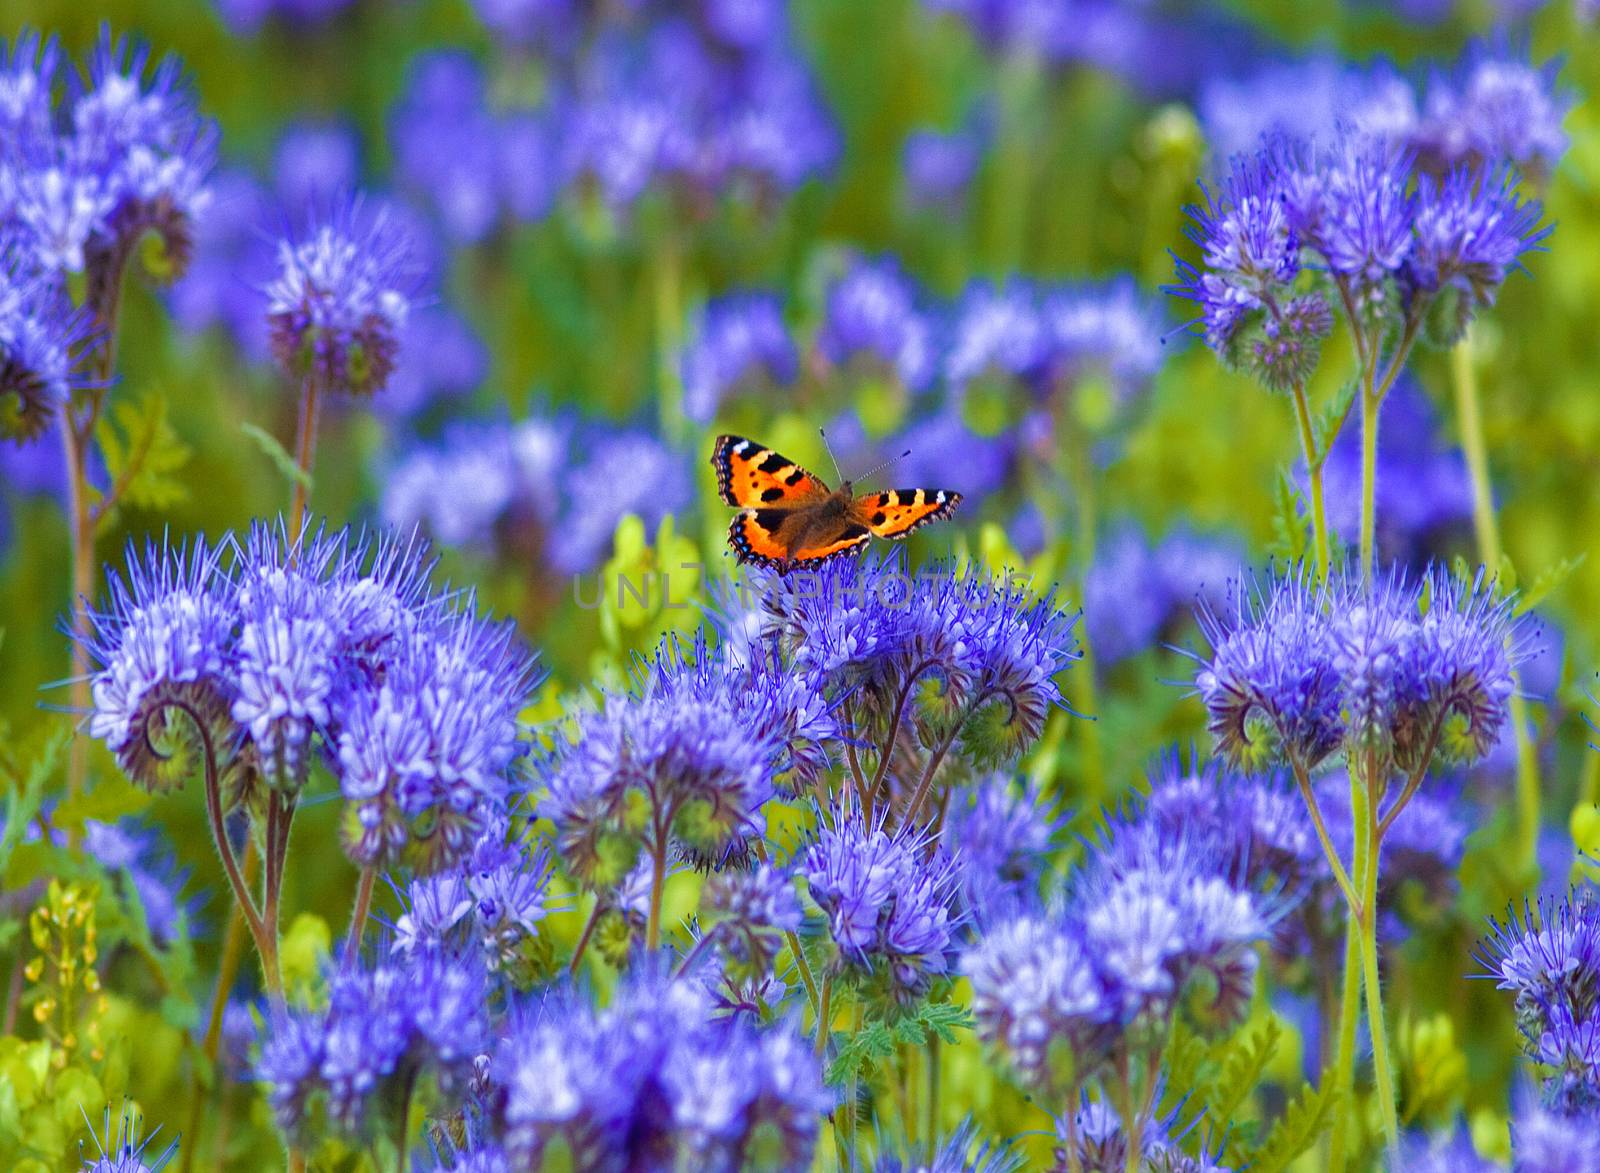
(838, 472)
(880, 466)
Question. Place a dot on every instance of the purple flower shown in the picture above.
(1034, 987)
(248, 16)
(867, 625)
(889, 902)
(1002, 835)
(1471, 231)
(872, 314)
(997, 331)
(446, 143)
(1112, 331)
(122, 1149)
(161, 650)
(626, 472)
(739, 343)
(1442, 1153)
(340, 299)
(315, 164)
(1305, 99)
(959, 1152)
(382, 1029)
(1495, 110)
(688, 746)
(654, 1078)
(939, 167)
(1544, 1140)
(40, 336)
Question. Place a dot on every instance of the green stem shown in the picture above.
(1382, 1074)
(935, 1056)
(824, 1009)
(1349, 1017)
(1369, 477)
(1319, 510)
(1487, 528)
(1081, 683)
(358, 916)
(658, 881)
(583, 939)
(305, 454)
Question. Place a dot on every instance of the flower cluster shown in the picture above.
(687, 760)
(39, 337)
(653, 1080)
(350, 1068)
(129, 155)
(1417, 669)
(489, 904)
(1163, 917)
(1136, 593)
(992, 648)
(873, 319)
(1294, 230)
(340, 299)
(1550, 962)
(261, 654)
(1493, 109)
(644, 98)
(739, 342)
(889, 901)
(1005, 831)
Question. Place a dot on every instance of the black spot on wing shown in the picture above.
(772, 463)
(769, 519)
(773, 494)
(794, 478)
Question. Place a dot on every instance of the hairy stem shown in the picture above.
(1366, 825)
(583, 939)
(658, 881)
(1487, 528)
(1314, 462)
(81, 541)
(824, 1011)
(1349, 1019)
(358, 915)
(227, 972)
(1369, 477)
(1303, 780)
(305, 453)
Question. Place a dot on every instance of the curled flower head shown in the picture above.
(425, 758)
(1418, 668)
(872, 315)
(349, 1067)
(740, 342)
(339, 302)
(162, 688)
(988, 648)
(1036, 994)
(697, 744)
(40, 335)
(1471, 231)
(888, 899)
(651, 1078)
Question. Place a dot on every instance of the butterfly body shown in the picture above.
(789, 516)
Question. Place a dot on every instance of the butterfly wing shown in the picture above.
(895, 513)
(771, 537)
(753, 475)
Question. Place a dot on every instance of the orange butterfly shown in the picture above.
(789, 516)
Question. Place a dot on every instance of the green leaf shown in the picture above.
(22, 804)
(111, 798)
(1326, 426)
(1305, 1119)
(279, 455)
(1291, 533)
(860, 1051)
(1243, 1064)
(1546, 581)
(142, 454)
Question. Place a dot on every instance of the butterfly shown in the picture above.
(788, 516)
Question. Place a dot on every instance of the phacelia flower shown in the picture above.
(121, 1148)
(1550, 963)
(352, 1064)
(962, 1151)
(1034, 992)
(1111, 331)
(654, 1078)
(997, 331)
(1495, 110)
(1004, 834)
(161, 651)
(340, 299)
(688, 744)
(739, 343)
(39, 338)
(1451, 1152)
(1303, 670)
(993, 647)
(872, 315)
(1545, 1140)
(889, 901)
(939, 167)
(626, 472)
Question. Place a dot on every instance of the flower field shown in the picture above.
(933, 585)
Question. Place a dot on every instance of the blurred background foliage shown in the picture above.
(1089, 181)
